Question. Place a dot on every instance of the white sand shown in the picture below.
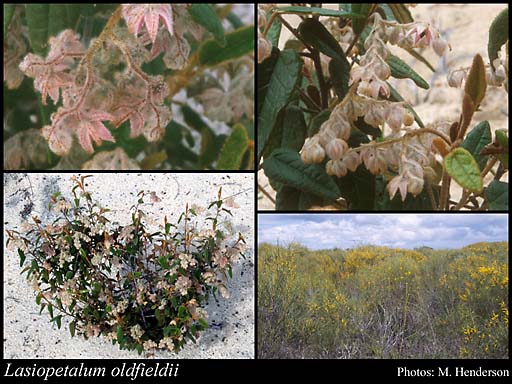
(30, 335)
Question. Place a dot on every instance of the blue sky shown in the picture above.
(321, 231)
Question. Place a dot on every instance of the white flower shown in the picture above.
(186, 260)
(209, 277)
(166, 342)
(183, 284)
(136, 331)
(96, 260)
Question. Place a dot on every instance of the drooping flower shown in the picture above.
(93, 129)
(149, 14)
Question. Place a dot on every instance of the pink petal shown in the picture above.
(166, 15)
(84, 137)
(136, 124)
(100, 132)
(151, 19)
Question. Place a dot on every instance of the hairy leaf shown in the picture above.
(476, 140)
(284, 77)
(294, 128)
(497, 196)
(362, 9)
(462, 167)
(8, 12)
(37, 22)
(498, 35)
(287, 167)
(339, 70)
(316, 11)
(315, 34)
(402, 14)
(274, 31)
(401, 70)
(287, 198)
(205, 15)
(234, 148)
(476, 83)
(317, 121)
(238, 44)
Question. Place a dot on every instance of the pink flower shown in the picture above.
(398, 183)
(150, 14)
(91, 127)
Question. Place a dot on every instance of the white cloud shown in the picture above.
(399, 230)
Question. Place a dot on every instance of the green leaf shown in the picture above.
(287, 198)
(502, 140)
(72, 326)
(498, 35)
(462, 167)
(316, 11)
(38, 298)
(287, 167)
(294, 129)
(205, 15)
(476, 140)
(50, 310)
(203, 323)
(274, 32)
(284, 77)
(476, 83)
(8, 12)
(317, 121)
(37, 22)
(339, 70)
(238, 44)
(420, 58)
(400, 70)
(232, 152)
(315, 34)
(362, 9)
(395, 96)
(57, 18)
(496, 195)
(58, 321)
(402, 14)
(22, 257)
(120, 334)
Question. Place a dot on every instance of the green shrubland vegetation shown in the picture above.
(379, 302)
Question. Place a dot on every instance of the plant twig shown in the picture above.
(267, 195)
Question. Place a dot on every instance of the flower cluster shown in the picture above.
(264, 46)
(139, 288)
(93, 94)
(402, 151)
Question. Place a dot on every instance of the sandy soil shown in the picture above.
(466, 28)
(30, 335)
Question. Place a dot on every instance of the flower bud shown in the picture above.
(336, 149)
(393, 35)
(382, 71)
(336, 168)
(456, 78)
(439, 46)
(408, 119)
(414, 184)
(374, 116)
(394, 117)
(352, 161)
(264, 49)
(327, 133)
(312, 152)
